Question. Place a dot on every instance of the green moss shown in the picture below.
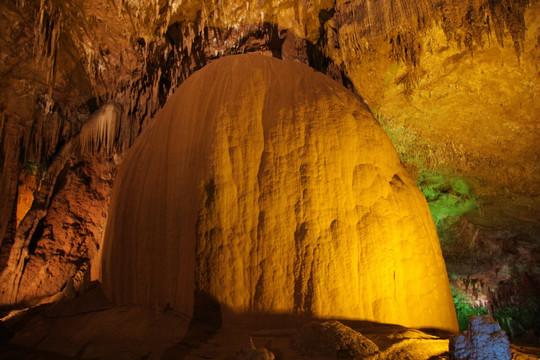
(34, 169)
(448, 198)
(464, 310)
(516, 320)
(31, 167)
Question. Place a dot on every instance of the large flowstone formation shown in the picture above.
(269, 188)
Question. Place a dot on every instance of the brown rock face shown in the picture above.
(65, 241)
(270, 188)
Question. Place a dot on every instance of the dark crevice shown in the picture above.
(36, 236)
(275, 41)
(61, 180)
(210, 189)
(9, 239)
(316, 57)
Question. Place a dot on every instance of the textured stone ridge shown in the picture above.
(333, 339)
(270, 188)
(484, 340)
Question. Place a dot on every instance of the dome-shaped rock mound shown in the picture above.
(269, 188)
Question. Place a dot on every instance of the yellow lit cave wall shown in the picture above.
(271, 188)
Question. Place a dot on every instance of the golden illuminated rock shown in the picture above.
(28, 183)
(270, 188)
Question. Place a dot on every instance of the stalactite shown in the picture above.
(375, 18)
(48, 29)
(101, 131)
(466, 22)
(405, 47)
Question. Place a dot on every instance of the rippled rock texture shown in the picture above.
(270, 188)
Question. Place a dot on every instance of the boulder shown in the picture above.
(484, 340)
(333, 339)
(250, 352)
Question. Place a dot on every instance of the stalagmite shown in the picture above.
(266, 187)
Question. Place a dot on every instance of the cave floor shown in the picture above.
(90, 327)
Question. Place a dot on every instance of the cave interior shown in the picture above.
(267, 179)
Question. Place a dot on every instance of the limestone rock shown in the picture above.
(65, 240)
(332, 338)
(269, 188)
(484, 340)
(253, 353)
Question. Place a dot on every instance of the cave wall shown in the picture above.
(454, 84)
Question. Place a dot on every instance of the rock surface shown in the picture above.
(90, 327)
(61, 252)
(333, 339)
(454, 83)
(267, 187)
(484, 340)
(250, 352)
